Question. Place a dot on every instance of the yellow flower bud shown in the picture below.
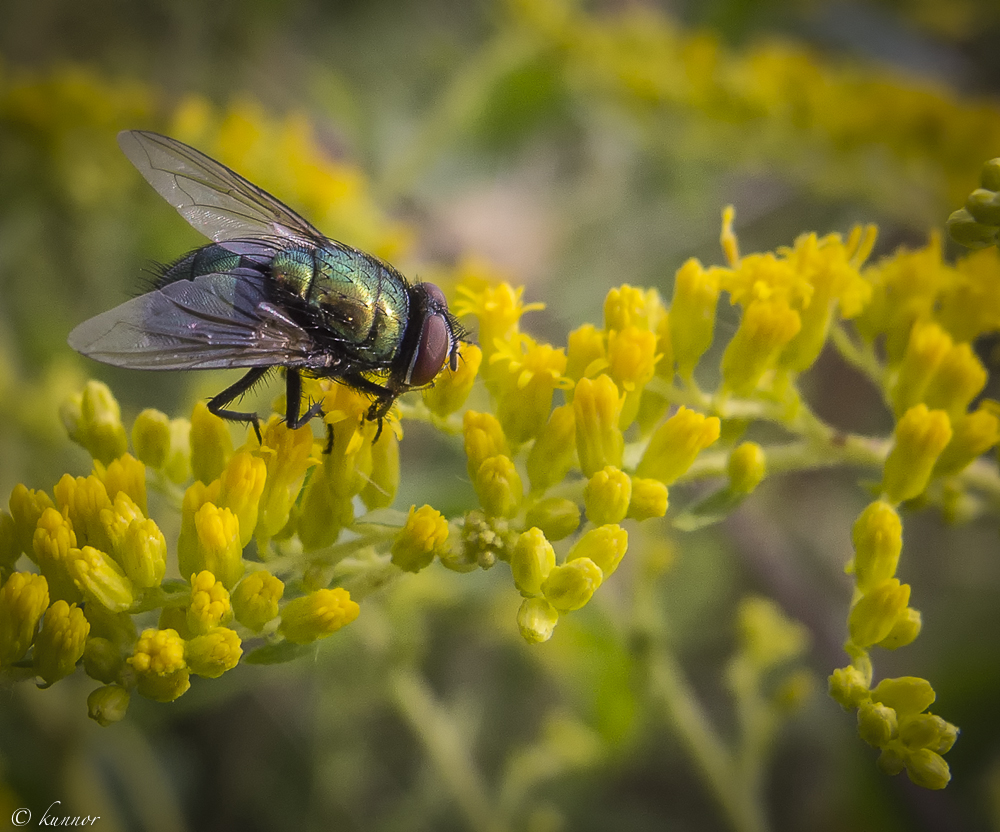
(927, 731)
(876, 723)
(604, 546)
(571, 585)
(907, 695)
(100, 579)
(158, 662)
(878, 540)
(124, 475)
(26, 506)
(241, 485)
(891, 761)
(921, 435)
(957, 381)
(483, 438)
(108, 704)
(94, 420)
(209, 605)
(557, 517)
(452, 387)
(177, 465)
(498, 486)
(151, 437)
(213, 653)
(188, 556)
(692, 314)
(323, 513)
(82, 499)
(904, 631)
(59, 644)
(287, 455)
(525, 376)
(554, 451)
(383, 482)
(255, 599)
(746, 467)
(965, 230)
(973, 434)
(597, 408)
(606, 496)
(536, 619)
(211, 444)
(23, 599)
(424, 536)
(54, 545)
(102, 660)
(531, 562)
(927, 769)
(144, 554)
(766, 327)
(649, 499)
(875, 614)
(632, 361)
(848, 687)
(317, 615)
(218, 548)
(676, 443)
(926, 348)
(626, 306)
(769, 637)
(585, 355)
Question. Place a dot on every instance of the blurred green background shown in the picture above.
(483, 128)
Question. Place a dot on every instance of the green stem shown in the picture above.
(447, 749)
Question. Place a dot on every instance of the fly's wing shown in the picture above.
(215, 321)
(216, 201)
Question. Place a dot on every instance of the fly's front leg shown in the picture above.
(217, 404)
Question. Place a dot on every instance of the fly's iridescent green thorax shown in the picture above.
(270, 291)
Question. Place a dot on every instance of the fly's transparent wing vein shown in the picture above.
(215, 200)
(214, 321)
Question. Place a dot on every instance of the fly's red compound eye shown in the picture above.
(432, 350)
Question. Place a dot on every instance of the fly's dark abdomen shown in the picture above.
(249, 257)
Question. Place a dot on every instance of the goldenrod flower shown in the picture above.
(597, 408)
(287, 455)
(557, 517)
(956, 381)
(585, 352)
(525, 375)
(217, 547)
(241, 485)
(159, 666)
(498, 310)
(100, 579)
(604, 546)
(746, 467)
(26, 507)
(921, 435)
(23, 599)
(536, 619)
(676, 444)
(766, 327)
(606, 496)
(926, 348)
(102, 659)
(255, 599)
(876, 723)
(209, 605)
(108, 705)
(498, 486)
(924, 730)
(151, 437)
(124, 474)
(905, 694)
(692, 315)
(875, 614)
(60, 643)
(649, 499)
(849, 687)
(904, 631)
(484, 437)
(317, 615)
(927, 769)
(94, 420)
(82, 499)
(632, 361)
(531, 562)
(554, 451)
(452, 387)
(383, 481)
(211, 444)
(213, 652)
(571, 585)
(626, 306)
(424, 536)
(53, 546)
(324, 511)
(878, 540)
(973, 434)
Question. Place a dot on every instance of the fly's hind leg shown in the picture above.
(217, 404)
